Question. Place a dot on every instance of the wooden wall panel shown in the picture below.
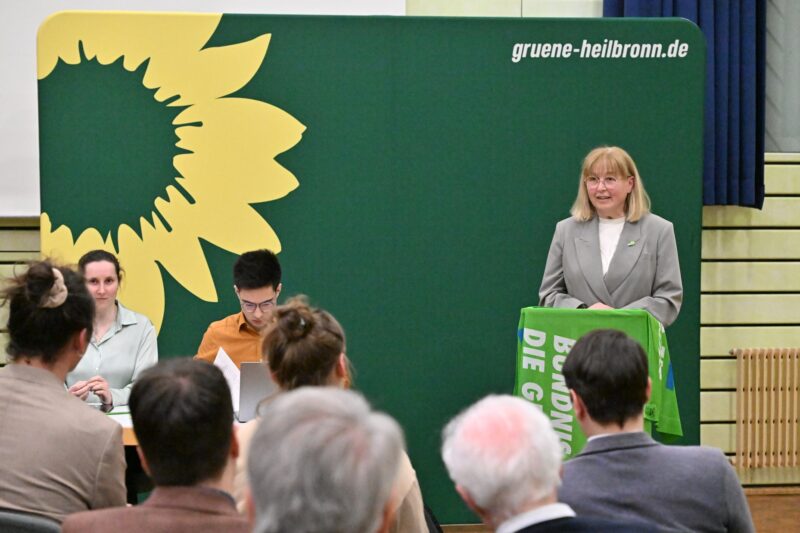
(719, 341)
(718, 406)
(8, 270)
(718, 374)
(742, 276)
(777, 211)
(749, 309)
(722, 436)
(3, 317)
(751, 244)
(750, 283)
(781, 157)
(782, 179)
(561, 8)
(464, 8)
(18, 257)
(19, 240)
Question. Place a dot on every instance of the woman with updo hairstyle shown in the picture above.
(57, 455)
(305, 346)
(123, 344)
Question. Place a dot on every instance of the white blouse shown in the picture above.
(610, 230)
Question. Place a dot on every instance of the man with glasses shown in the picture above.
(257, 283)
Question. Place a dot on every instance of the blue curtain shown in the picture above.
(735, 32)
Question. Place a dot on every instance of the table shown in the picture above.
(122, 416)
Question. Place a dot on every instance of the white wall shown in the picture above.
(19, 22)
(506, 8)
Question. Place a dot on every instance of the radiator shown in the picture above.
(767, 407)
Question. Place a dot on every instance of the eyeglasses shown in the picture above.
(250, 307)
(609, 181)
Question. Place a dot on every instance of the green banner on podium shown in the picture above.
(546, 335)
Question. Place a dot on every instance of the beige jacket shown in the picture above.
(167, 510)
(57, 455)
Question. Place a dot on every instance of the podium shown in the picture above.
(546, 335)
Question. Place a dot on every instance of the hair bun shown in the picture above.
(44, 285)
(47, 305)
(296, 322)
(58, 292)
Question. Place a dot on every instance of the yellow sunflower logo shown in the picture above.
(224, 156)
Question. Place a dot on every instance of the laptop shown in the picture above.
(255, 385)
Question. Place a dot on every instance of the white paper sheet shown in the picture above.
(232, 376)
(122, 416)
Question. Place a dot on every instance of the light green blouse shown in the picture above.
(127, 348)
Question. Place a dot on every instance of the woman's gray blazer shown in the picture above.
(644, 272)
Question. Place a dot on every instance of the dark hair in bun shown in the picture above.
(303, 344)
(40, 325)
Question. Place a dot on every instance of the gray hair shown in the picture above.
(504, 453)
(322, 460)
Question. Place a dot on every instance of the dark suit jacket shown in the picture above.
(579, 524)
(167, 510)
(679, 488)
(644, 272)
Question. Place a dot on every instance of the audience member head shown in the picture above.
(613, 161)
(503, 456)
(322, 460)
(607, 370)
(257, 282)
(50, 312)
(305, 345)
(183, 419)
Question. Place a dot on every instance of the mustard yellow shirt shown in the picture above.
(234, 335)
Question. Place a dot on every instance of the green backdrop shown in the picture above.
(432, 174)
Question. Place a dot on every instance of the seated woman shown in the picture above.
(613, 253)
(57, 456)
(305, 346)
(124, 342)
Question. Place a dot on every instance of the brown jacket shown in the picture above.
(167, 510)
(57, 455)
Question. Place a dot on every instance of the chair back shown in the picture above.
(19, 522)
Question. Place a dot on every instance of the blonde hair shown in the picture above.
(617, 161)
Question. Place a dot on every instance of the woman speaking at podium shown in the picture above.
(613, 253)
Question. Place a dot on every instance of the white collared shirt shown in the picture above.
(128, 347)
(600, 436)
(540, 514)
